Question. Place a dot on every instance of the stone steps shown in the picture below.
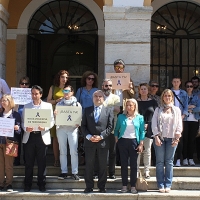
(77, 194)
(189, 171)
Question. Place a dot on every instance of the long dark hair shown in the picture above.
(58, 75)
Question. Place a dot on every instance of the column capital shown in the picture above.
(4, 15)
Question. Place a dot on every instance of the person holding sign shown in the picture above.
(96, 126)
(68, 133)
(55, 95)
(6, 162)
(24, 82)
(36, 139)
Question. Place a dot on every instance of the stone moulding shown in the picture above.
(4, 15)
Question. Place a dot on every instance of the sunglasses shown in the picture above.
(119, 67)
(90, 78)
(155, 86)
(24, 83)
(66, 91)
(108, 85)
(189, 86)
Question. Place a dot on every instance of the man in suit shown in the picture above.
(36, 140)
(97, 124)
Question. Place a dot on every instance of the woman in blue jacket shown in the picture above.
(129, 133)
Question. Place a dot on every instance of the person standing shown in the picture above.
(84, 95)
(119, 66)
(129, 133)
(113, 101)
(4, 89)
(55, 95)
(180, 101)
(146, 108)
(190, 125)
(6, 162)
(153, 90)
(66, 133)
(96, 126)
(36, 140)
(24, 82)
(195, 82)
(167, 128)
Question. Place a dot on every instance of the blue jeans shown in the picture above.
(164, 158)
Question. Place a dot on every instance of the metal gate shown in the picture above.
(175, 43)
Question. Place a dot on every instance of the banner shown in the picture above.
(37, 117)
(21, 96)
(7, 127)
(68, 115)
(119, 80)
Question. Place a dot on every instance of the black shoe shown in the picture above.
(9, 188)
(95, 176)
(42, 188)
(75, 177)
(62, 176)
(112, 176)
(1, 188)
(16, 163)
(27, 188)
(88, 190)
(102, 190)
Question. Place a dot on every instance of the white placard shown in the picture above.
(68, 115)
(7, 127)
(37, 117)
(21, 96)
(133, 3)
(119, 80)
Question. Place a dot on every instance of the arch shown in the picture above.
(36, 4)
(156, 4)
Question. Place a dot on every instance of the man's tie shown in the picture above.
(96, 114)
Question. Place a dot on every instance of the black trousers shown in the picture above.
(127, 150)
(90, 155)
(186, 146)
(111, 157)
(35, 148)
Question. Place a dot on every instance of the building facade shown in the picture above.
(156, 39)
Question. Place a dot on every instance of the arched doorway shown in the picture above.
(175, 42)
(61, 35)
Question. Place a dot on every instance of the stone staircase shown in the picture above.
(186, 185)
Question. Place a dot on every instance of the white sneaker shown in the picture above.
(191, 162)
(185, 162)
(178, 163)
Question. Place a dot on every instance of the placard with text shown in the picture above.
(7, 127)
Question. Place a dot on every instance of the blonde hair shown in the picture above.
(162, 95)
(10, 99)
(136, 106)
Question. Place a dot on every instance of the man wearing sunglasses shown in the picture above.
(4, 89)
(153, 91)
(195, 82)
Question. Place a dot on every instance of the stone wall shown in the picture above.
(127, 36)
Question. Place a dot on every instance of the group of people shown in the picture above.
(118, 126)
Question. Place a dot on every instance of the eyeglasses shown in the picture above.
(189, 86)
(119, 67)
(89, 78)
(24, 83)
(108, 85)
(4, 100)
(66, 91)
(155, 86)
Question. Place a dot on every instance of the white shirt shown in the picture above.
(130, 130)
(176, 102)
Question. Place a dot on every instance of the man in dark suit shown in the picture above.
(97, 124)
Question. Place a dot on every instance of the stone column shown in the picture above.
(3, 37)
(127, 36)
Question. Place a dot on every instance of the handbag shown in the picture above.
(141, 183)
(11, 148)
